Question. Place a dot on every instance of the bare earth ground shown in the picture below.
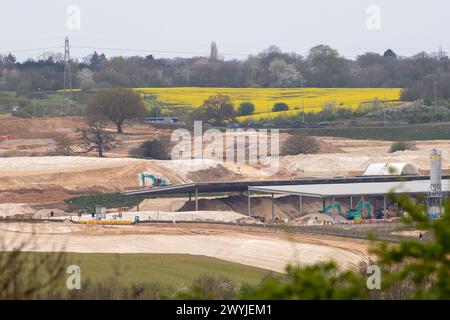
(47, 179)
(43, 180)
(262, 248)
(27, 178)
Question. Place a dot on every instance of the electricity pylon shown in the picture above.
(67, 78)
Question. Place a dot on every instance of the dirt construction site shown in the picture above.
(35, 180)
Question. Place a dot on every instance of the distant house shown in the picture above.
(161, 120)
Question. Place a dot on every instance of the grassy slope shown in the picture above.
(431, 131)
(165, 269)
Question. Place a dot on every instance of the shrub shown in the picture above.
(156, 149)
(280, 106)
(208, 287)
(246, 109)
(439, 117)
(402, 146)
(300, 145)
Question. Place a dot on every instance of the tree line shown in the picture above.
(423, 74)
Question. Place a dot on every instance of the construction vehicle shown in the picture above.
(357, 213)
(379, 213)
(353, 215)
(156, 182)
(334, 205)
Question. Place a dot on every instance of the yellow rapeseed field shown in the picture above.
(314, 99)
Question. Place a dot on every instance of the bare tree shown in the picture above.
(95, 136)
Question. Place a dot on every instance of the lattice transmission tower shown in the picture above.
(68, 90)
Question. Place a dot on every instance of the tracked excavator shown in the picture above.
(353, 214)
(155, 181)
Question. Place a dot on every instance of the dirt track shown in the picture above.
(256, 247)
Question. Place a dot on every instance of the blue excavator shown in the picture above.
(335, 205)
(156, 182)
(356, 214)
(352, 214)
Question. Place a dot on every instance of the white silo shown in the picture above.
(435, 192)
(435, 168)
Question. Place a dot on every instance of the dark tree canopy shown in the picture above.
(323, 67)
(246, 109)
(280, 106)
(118, 105)
(389, 53)
(216, 110)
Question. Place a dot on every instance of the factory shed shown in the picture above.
(354, 189)
(391, 169)
(350, 190)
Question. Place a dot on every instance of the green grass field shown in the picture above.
(432, 131)
(114, 276)
(165, 269)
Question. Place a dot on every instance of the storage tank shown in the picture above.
(435, 194)
(435, 167)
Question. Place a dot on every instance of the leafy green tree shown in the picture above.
(118, 105)
(246, 109)
(10, 59)
(280, 106)
(283, 74)
(317, 282)
(216, 110)
(412, 269)
(424, 263)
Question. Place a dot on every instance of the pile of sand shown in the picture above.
(285, 207)
(216, 216)
(197, 216)
(184, 167)
(161, 204)
(9, 210)
(318, 219)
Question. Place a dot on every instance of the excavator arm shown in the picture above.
(156, 182)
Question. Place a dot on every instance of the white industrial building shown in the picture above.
(391, 169)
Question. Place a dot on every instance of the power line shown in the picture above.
(34, 49)
(156, 51)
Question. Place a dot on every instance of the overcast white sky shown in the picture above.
(240, 27)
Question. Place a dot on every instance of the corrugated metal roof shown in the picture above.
(240, 186)
(354, 189)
